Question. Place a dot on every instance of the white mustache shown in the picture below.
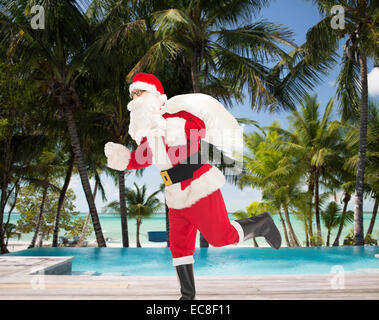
(144, 115)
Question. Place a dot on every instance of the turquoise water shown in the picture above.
(111, 226)
(215, 261)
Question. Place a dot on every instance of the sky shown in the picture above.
(297, 15)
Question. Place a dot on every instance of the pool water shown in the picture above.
(215, 261)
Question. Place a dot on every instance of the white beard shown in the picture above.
(145, 115)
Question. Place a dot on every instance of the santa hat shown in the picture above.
(148, 82)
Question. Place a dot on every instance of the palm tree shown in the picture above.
(70, 168)
(140, 205)
(372, 164)
(47, 169)
(360, 30)
(226, 53)
(348, 189)
(317, 143)
(275, 174)
(331, 218)
(345, 181)
(301, 206)
(56, 56)
(22, 137)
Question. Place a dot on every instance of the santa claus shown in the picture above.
(168, 135)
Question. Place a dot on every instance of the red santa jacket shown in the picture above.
(184, 130)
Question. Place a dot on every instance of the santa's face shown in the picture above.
(144, 114)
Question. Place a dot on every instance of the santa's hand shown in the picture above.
(117, 155)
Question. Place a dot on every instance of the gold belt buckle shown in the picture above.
(166, 178)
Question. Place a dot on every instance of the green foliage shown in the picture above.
(331, 215)
(11, 231)
(370, 241)
(28, 204)
(316, 240)
(139, 204)
(216, 47)
(253, 209)
(349, 239)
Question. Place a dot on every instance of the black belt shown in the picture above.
(183, 170)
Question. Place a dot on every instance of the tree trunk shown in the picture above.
(310, 229)
(39, 220)
(294, 242)
(41, 236)
(85, 226)
(3, 201)
(358, 214)
(124, 221)
(373, 217)
(328, 238)
(317, 210)
(137, 233)
(195, 72)
(62, 196)
(346, 200)
(17, 188)
(284, 229)
(83, 175)
(306, 230)
(310, 221)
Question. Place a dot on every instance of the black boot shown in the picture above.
(261, 226)
(187, 281)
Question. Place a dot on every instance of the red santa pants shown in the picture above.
(210, 217)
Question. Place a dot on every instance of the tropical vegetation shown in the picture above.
(64, 88)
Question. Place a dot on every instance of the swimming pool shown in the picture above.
(215, 261)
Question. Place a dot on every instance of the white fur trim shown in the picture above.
(175, 133)
(210, 181)
(118, 156)
(139, 85)
(239, 229)
(162, 98)
(182, 260)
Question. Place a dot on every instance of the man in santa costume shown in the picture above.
(168, 134)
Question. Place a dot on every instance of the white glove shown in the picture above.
(118, 156)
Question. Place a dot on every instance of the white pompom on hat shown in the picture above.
(150, 83)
